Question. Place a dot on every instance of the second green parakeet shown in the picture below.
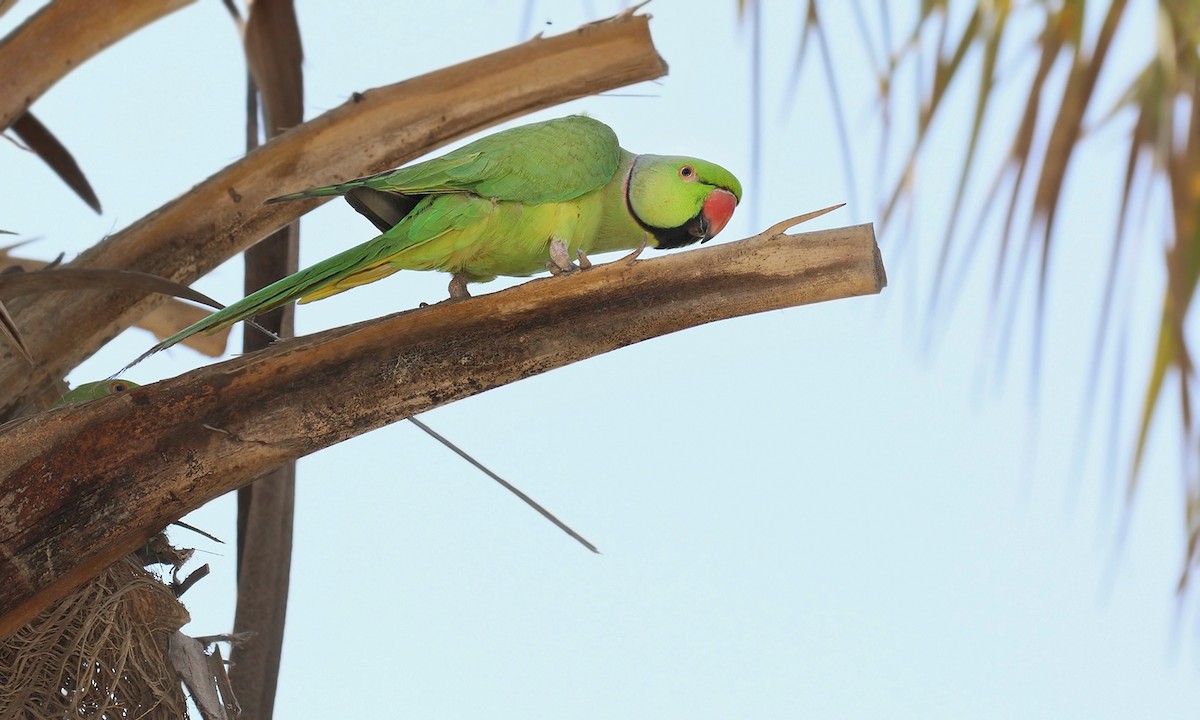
(89, 391)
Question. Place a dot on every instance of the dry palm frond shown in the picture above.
(39, 140)
(273, 49)
(52, 42)
(101, 652)
(1031, 180)
(164, 321)
(813, 26)
(1174, 75)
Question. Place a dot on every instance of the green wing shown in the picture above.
(552, 161)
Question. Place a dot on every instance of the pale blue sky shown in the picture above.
(802, 514)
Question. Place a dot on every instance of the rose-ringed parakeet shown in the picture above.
(87, 392)
(515, 203)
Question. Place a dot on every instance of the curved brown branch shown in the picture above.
(59, 38)
(85, 485)
(374, 131)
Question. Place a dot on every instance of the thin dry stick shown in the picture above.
(507, 485)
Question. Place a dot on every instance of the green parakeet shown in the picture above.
(520, 201)
(87, 392)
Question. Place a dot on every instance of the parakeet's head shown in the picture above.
(680, 200)
(96, 390)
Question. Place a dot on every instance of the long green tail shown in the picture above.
(277, 294)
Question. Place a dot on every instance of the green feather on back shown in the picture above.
(552, 161)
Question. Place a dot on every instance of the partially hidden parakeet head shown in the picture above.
(87, 392)
(680, 200)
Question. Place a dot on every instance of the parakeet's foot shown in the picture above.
(633, 256)
(584, 262)
(458, 287)
(560, 259)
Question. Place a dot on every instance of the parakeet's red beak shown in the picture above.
(717, 210)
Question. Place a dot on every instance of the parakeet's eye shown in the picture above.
(117, 386)
(687, 172)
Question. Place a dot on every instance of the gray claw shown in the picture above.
(458, 286)
(560, 259)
